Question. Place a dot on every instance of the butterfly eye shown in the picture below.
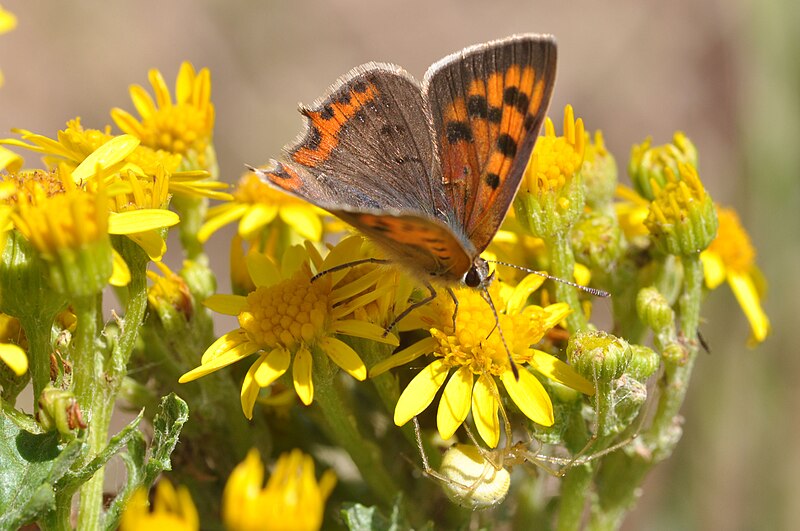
(473, 277)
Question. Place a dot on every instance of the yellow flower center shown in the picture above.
(34, 186)
(556, 159)
(289, 312)
(82, 142)
(732, 243)
(673, 202)
(476, 342)
(177, 128)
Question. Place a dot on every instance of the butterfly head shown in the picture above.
(478, 275)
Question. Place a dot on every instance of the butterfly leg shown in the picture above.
(490, 302)
(455, 306)
(411, 308)
(348, 265)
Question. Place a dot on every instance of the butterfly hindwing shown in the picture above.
(487, 104)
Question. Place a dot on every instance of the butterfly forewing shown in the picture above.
(487, 105)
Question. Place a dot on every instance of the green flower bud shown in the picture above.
(627, 397)
(644, 362)
(649, 165)
(598, 355)
(24, 290)
(654, 310)
(599, 173)
(674, 354)
(596, 240)
(471, 481)
(682, 218)
(59, 410)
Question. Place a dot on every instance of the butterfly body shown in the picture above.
(426, 170)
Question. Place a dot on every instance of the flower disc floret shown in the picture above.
(288, 313)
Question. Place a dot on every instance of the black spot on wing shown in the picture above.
(493, 180)
(458, 131)
(507, 145)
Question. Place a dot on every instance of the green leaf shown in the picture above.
(143, 467)
(167, 424)
(32, 464)
(358, 517)
(73, 480)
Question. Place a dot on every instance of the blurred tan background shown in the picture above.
(725, 72)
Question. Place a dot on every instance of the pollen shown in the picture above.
(732, 243)
(286, 314)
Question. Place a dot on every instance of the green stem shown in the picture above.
(563, 266)
(622, 473)
(37, 331)
(88, 377)
(342, 428)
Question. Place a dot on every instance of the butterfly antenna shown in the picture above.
(490, 302)
(592, 291)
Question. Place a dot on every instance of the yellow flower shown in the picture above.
(256, 205)
(13, 346)
(184, 126)
(731, 257)
(632, 210)
(173, 510)
(74, 144)
(293, 499)
(555, 159)
(476, 356)
(169, 295)
(7, 23)
(289, 316)
(682, 219)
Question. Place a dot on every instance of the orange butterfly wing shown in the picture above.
(488, 103)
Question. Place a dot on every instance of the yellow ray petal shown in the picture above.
(419, 393)
(255, 218)
(713, 269)
(530, 396)
(226, 304)
(274, 365)
(408, 354)
(107, 155)
(345, 357)
(145, 219)
(120, 274)
(14, 357)
(363, 329)
(455, 402)
(250, 388)
(301, 375)
(558, 371)
(484, 410)
(745, 292)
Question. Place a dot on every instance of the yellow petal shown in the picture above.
(8, 21)
(363, 329)
(9, 160)
(558, 371)
(107, 155)
(160, 88)
(582, 274)
(484, 410)
(184, 85)
(745, 292)
(143, 102)
(127, 123)
(152, 243)
(222, 215)
(455, 402)
(524, 289)
(250, 388)
(274, 365)
(530, 396)
(14, 357)
(555, 313)
(120, 274)
(141, 220)
(420, 392)
(226, 304)
(408, 354)
(263, 271)
(301, 375)
(713, 269)
(345, 357)
(255, 218)
(231, 341)
(304, 220)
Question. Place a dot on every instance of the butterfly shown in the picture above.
(426, 170)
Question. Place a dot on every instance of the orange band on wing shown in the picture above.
(323, 135)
